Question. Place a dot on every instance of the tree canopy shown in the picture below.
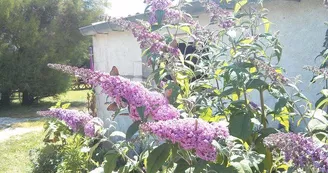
(34, 33)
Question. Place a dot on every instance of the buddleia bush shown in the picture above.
(203, 110)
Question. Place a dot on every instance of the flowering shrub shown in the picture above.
(212, 86)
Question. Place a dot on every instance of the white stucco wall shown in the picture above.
(121, 50)
(302, 30)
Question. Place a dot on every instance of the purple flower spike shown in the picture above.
(190, 133)
(303, 151)
(73, 118)
(136, 95)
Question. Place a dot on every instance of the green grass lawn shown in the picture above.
(29, 124)
(78, 99)
(15, 152)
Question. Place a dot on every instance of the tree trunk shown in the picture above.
(5, 99)
(28, 99)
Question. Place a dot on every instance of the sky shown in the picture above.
(123, 8)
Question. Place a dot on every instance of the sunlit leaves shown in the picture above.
(283, 118)
(186, 29)
(266, 24)
(239, 5)
(206, 114)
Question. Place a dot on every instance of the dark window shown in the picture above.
(187, 50)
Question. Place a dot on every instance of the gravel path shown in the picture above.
(6, 131)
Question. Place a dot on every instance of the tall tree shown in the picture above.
(37, 32)
(6, 51)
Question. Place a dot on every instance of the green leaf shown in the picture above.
(318, 121)
(266, 23)
(242, 167)
(221, 168)
(267, 163)
(239, 4)
(321, 102)
(65, 106)
(186, 29)
(227, 92)
(283, 118)
(94, 147)
(182, 165)
(132, 130)
(156, 27)
(118, 133)
(110, 161)
(141, 112)
(58, 104)
(278, 52)
(275, 92)
(157, 157)
(256, 84)
(267, 131)
(283, 167)
(255, 159)
(145, 52)
(282, 101)
(240, 125)
(206, 113)
(159, 16)
(324, 92)
(200, 166)
(146, 9)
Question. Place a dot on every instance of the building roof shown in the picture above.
(105, 27)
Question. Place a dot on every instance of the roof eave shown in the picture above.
(105, 27)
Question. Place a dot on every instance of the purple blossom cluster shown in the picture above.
(147, 39)
(156, 42)
(254, 106)
(270, 72)
(91, 128)
(76, 120)
(170, 15)
(123, 90)
(218, 14)
(159, 4)
(317, 71)
(303, 151)
(190, 133)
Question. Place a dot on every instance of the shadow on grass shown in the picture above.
(26, 123)
(16, 110)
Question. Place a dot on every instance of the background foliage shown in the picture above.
(36, 32)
